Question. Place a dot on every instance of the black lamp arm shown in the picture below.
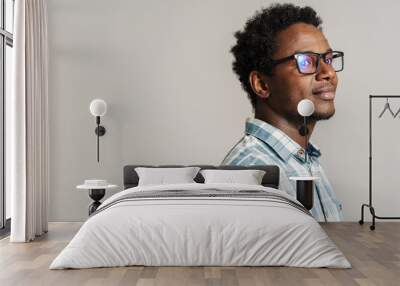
(100, 131)
(305, 138)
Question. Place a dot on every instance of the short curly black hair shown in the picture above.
(256, 44)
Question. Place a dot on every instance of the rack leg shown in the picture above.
(361, 221)
(372, 210)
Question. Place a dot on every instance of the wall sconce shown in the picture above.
(305, 108)
(98, 108)
(305, 185)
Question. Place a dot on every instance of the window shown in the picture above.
(6, 60)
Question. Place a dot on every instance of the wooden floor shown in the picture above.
(375, 257)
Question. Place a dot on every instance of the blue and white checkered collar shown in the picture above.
(281, 143)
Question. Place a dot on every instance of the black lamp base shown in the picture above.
(305, 193)
(303, 130)
(96, 195)
(100, 130)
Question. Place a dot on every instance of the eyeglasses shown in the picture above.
(309, 62)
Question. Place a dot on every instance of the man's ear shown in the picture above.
(259, 86)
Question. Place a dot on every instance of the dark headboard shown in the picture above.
(270, 179)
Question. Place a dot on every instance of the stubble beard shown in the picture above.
(318, 116)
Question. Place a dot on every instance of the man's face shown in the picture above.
(288, 86)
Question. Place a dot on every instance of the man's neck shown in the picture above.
(289, 127)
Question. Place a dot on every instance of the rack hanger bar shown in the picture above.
(384, 96)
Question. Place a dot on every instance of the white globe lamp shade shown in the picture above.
(98, 107)
(305, 107)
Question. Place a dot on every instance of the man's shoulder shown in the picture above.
(250, 151)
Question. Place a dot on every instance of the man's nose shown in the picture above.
(326, 71)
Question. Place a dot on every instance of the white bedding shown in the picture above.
(200, 231)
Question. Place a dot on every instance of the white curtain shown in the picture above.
(27, 123)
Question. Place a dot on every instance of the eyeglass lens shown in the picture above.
(308, 63)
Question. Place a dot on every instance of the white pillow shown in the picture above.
(248, 177)
(163, 176)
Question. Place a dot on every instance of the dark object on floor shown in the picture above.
(5, 231)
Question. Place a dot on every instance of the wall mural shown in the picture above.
(282, 57)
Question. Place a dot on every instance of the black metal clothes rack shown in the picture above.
(369, 205)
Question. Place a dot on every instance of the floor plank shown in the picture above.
(375, 257)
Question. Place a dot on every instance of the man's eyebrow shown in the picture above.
(308, 51)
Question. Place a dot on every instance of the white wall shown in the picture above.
(164, 68)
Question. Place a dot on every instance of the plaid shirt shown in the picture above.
(265, 144)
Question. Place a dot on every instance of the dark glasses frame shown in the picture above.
(335, 54)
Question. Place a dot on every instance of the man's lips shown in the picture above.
(326, 93)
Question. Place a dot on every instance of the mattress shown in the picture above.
(201, 225)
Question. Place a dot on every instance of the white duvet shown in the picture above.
(200, 231)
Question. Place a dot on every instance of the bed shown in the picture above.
(201, 224)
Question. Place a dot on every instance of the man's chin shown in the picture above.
(322, 115)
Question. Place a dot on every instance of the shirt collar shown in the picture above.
(282, 144)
